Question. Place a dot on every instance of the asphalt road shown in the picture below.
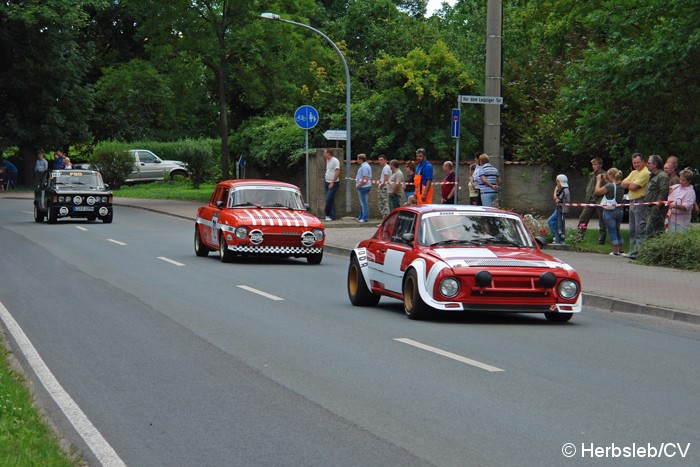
(179, 360)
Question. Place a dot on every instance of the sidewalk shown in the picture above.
(610, 283)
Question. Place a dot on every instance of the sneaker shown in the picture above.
(614, 254)
(328, 218)
(361, 221)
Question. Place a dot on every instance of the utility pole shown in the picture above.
(492, 113)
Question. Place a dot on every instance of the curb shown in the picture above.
(619, 306)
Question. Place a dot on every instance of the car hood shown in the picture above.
(174, 163)
(80, 189)
(277, 217)
(497, 256)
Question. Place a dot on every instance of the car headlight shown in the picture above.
(449, 287)
(91, 200)
(318, 234)
(105, 199)
(568, 289)
(77, 199)
(61, 199)
(241, 232)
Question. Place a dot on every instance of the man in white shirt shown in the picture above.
(331, 183)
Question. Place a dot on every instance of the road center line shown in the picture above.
(80, 228)
(259, 292)
(105, 454)
(116, 241)
(168, 260)
(447, 354)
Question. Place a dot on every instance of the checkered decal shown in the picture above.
(275, 250)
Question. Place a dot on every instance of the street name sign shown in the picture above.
(336, 135)
(481, 100)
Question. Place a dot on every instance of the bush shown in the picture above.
(673, 250)
(197, 156)
(538, 226)
(113, 162)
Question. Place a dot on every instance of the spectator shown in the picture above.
(66, 163)
(674, 162)
(10, 173)
(410, 188)
(593, 198)
(448, 183)
(474, 198)
(331, 183)
(423, 178)
(612, 217)
(40, 166)
(657, 192)
(363, 183)
(58, 162)
(396, 192)
(411, 201)
(488, 181)
(636, 182)
(562, 196)
(383, 189)
(682, 198)
(671, 172)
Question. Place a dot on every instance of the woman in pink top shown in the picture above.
(681, 199)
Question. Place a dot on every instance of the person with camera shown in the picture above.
(591, 198)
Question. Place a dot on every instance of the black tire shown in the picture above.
(178, 175)
(108, 218)
(358, 292)
(38, 215)
(315, 258)
(225, 255)
(200, 249)
(413, 304)
(51, 214)
(91, 218)
(558, 317)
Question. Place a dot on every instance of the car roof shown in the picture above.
(253, 182)
(72, 171)
(427, 208)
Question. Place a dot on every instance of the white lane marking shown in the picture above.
(116, 241)
(80, 228)
(447, 354)
(168, 260)
(105, 454)
(259, 292)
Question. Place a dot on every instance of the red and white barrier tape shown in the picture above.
(649, 203)
(379, 182)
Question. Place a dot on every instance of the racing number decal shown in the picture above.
(214, 231)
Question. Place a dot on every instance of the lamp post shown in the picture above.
(348, 151)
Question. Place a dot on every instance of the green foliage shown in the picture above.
(198, 159)
(178, 190)
(270, 142)
(673, 250)
(114, 162)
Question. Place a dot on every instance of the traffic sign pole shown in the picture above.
(459, 113)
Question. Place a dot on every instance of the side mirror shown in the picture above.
(219, 204)
(106, 186)
(307, 207)
(541, 241)
(408, 237)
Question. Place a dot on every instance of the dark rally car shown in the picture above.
(74, 194)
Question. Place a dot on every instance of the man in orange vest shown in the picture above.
(423, 179)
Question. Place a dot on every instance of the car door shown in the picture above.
(41, 191)
(397, 248)
(150, 167)
(210, 233)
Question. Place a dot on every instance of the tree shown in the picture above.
(45, 101)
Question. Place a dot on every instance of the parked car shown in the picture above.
(258, 217)
(461, 258)
(72, 194)
(150, 168)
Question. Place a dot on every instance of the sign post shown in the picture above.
(306, 117)
(456, 117)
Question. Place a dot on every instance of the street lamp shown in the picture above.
(348, 150)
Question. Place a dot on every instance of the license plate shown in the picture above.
(83, 208)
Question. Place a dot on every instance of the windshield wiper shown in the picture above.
(278, 205)
(456, 242)
(247, 204)
(503, 241)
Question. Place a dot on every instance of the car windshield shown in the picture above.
(89, 179)
(469, 228)
(266, 197)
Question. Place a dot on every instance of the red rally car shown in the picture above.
(461, 258)
(258, 217)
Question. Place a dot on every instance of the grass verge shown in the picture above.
(178, 190)
(25, 438)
